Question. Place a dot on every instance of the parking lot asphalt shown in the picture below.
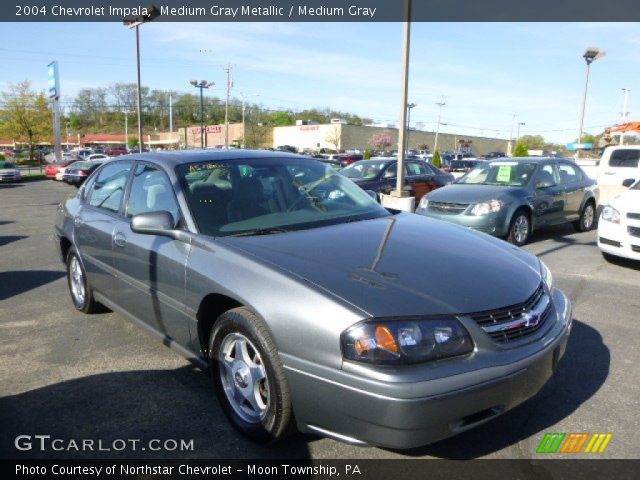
(74, 376)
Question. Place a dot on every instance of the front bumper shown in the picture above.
(496, 224)
(411, 414)
(10, 178)
(615, 240)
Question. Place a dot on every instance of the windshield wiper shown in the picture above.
(259, 231)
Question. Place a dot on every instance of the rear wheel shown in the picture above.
(81, 292)
(520, 228)
(249, 378)
(587, 218)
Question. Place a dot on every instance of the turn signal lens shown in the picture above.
(385, 339)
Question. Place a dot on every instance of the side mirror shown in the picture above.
(372, 194)
(541, 185)
(628, 182)
(154, 223)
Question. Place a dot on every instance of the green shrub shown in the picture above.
(367, 154)
(436, 161)
(521, 150)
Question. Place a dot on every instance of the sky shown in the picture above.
(487, 72)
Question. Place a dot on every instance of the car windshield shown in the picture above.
(508, 174)
(364, 169)
(6, 165)
(271, 195)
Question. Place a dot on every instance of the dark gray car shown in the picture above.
(513, 197)
(311, 304)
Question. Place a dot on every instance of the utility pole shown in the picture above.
(625, 113)
(406, 43)
(226, 107)
(440, 104)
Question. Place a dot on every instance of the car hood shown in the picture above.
(461, 193)
(402, 265)
(627, 201)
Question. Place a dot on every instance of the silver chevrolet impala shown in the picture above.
(311, 305)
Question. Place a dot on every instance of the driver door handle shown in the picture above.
(119, 239)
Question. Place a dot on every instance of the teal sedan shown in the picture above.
(513, 197)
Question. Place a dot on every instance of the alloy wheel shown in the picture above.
(77, 283)
(588, 216)
(521, 229)
(244, 378)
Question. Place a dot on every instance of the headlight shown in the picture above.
(424, 203)
(547, 277)
(486, 208)
(401, 341)
(610, 214)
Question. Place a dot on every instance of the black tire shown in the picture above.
(85, 303)
(519, 228)
(609, 258)
(587, 218)
(276, 421)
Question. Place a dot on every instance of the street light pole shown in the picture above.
(589, 56)
(135, 22)
(440, 105)
(520, 124)
(201, 85)
(410, 106)
(625, 114)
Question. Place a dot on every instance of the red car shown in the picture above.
(114, 152)
(52, 169)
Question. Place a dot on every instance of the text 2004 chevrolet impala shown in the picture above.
(312, 304)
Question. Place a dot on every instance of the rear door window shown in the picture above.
(569, 174)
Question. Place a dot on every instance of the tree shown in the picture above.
(26, 115)
(367, 154)
(521, 150)
(281, 119)
(533, 142)
(133, 142)
(334, 137)
(380, 141)
(436, 161)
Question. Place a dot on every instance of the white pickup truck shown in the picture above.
(619, 165)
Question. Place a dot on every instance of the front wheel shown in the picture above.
(249, 378)
(587, 218)
(519, 229)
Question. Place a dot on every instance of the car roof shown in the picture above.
(179, 157)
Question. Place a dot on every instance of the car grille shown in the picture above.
(634, 231)
(633, 216)
(510, 324)
(448, 208)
